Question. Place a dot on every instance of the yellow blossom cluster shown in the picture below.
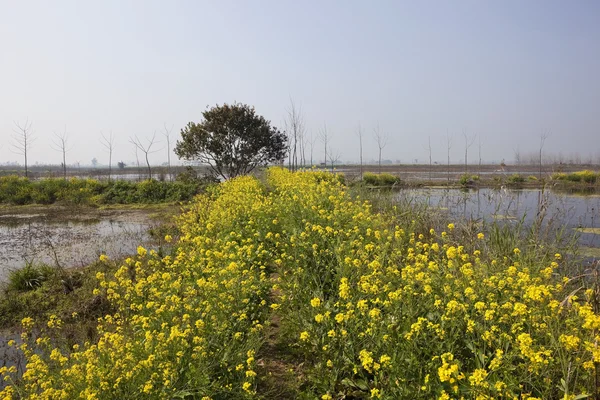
(390, 310)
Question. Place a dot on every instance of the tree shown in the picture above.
(468, 143)
(448, 147)
(311, 142)
(23, 140)
(429, 149)
(108, 143)
(381, 142)
(334, 158)
(59, 143)
(294, 129)
(325, 139)
(517, 155)
(146, 149)
(167, 135)
(121, 165)
(232, 139)
(479, 172)
(543, 138)
(359, 133)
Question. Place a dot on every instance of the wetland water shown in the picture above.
(575, 213)
(70, 237)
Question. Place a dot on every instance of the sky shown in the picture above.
(505, 72)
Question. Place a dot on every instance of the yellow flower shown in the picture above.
(569, 341)
(304, 336)
(450, 226)
(480, 236)
(451, 252)
(141, 251)
(103, 258)
(478, 378)
(315, 302)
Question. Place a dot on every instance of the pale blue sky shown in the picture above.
(507, 70)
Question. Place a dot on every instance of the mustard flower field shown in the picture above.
(365, 307)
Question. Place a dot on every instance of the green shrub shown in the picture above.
(516, 179)
(380, 179)
(467, 179)
(22, 191)
(370, 178)
(585, 176)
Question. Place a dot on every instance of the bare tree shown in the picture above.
(325, 139)
(137, 161)
(22, 140)
(517, 155)
(480, 144)
(334, 157)
(59, 143)
(167, 135)
(430, 161)
(381, 140)
(311, 142)
(108, 143)
(543, 138)
(359, 133)
(468, 143)
(448, 146)
(288, 145)
(144, 148)
(303, 141)
(295, 130)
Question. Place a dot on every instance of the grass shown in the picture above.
(41, 291)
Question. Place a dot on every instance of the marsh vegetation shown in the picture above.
(298, 286)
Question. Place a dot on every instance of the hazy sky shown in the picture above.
(505, 70)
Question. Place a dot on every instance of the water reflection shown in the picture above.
(566, 210)
(69, 243)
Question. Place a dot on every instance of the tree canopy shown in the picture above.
(232, 140)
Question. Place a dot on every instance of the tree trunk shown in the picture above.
(149, 170)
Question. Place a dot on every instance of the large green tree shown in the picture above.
(232, 139)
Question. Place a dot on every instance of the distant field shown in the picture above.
(440, 173)
(407, 172)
